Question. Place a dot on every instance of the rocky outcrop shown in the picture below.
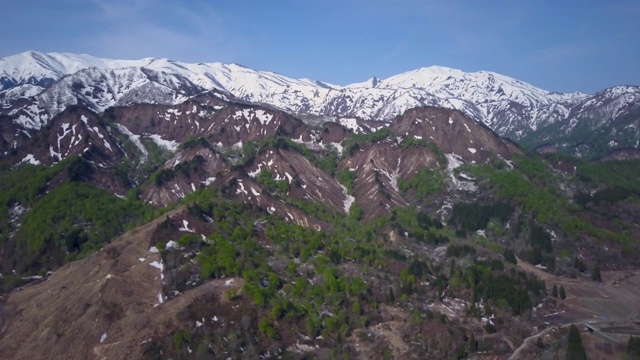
(453, 133)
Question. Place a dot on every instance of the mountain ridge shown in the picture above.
(36, 86)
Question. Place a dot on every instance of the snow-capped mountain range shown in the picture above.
(35, 86)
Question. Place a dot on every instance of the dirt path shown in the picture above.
(509, 342)
(526, 342)
(543, 275)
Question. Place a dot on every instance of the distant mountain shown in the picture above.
(608, 121)
(34, 87)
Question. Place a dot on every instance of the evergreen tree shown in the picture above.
(633, 347)
(554, 291)
(509, 256)
(562, 293)
(473, 343)
(578, 264)
(391, 298)
(595, 274)
(575, 350)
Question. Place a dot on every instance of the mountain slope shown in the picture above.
(37, 86)
(608, 121)
(299, 239)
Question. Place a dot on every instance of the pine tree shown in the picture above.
(575, 350)
(595, 274)
(473, 343)
(554, 291)
(562, 293)
(633, 347)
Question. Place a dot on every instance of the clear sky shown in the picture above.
(558, 45)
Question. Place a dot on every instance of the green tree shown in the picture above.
(473, 343)
(355, 212)
(575, 349)
(579, 264)
(554, 291)
(265, 327)
(562, 293)
(595, 274)
(633, 347)
(391, 298)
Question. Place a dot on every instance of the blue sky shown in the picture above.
(556, 45)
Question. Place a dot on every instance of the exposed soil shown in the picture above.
(116, 305)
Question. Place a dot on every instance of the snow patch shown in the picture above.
(348, 199)
(171, 244)
(241, 188)
(208, 181)
(339, 148)
(30, 159)
(175, 112)
(135, 139)
(185, 227)
(263, 117)
(167, 144)
(453, 162)
(351, 124)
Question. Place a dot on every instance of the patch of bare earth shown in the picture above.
(387, 334)
(102, 307)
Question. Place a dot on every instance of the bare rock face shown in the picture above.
(219, 122)
(235, 124)
(623, 154)
(105, 306)
(378, 168)
(186, 172)
(453, 132)
(75, 131)
(246, 189)
(305, 180)
(172, 123)
(11, 136)
(333, 133)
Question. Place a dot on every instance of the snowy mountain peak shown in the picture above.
(436, 70)
(36, 65)
(373, 82)
(36, 86)
(422, 77)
